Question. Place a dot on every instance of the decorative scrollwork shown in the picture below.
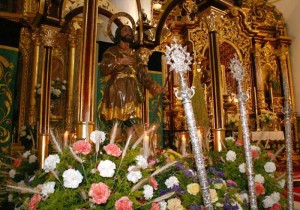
(185, 93)
(178, 58)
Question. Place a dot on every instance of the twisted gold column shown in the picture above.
(35, 67)
(87, 70)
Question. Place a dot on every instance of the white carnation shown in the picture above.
(56, 92)
(219, 205)
(230, 138)
(97, 136)
(282, 183)
(106, 168)
(72, 178)
(48, 188)
(23, 133)
(242, 168)
(141, 161)
(12, 173)
(255, 148)
(259, 178)
(270, 167)
(171, 181)
(10, 197)
(134, 175)
(21, 183)
(162, 205)
(28, 137)
(275, 196)
(268, 202)
(32, 158)
(231, 156)
(148, 191)
(50, 162)
(26, 154)
(245, 197)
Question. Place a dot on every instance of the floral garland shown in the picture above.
(102, 175)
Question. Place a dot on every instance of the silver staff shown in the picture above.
(288, 142)
(180, 60)
(239, 73)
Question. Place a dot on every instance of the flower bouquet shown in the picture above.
(269, 184)
(57, 88)
(28, 136)
(102, 175)
(267, 117)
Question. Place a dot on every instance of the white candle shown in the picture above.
(183, 145)
(146, 146)
(65, 141)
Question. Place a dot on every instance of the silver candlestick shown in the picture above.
(180, 60)
(239, 73)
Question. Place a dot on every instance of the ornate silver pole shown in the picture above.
(288, 142)
(239, 73)
(180, 60)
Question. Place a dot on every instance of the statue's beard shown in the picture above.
(127, 38)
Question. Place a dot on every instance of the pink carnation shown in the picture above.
(82, 147)
(153, 183)
(17, 163)
(124, 203)
(99, 193)
(155, 206)
(34, 201)
(254, 154)
(239, 142)
(259, 189)
(271, 155)
(113, 149)
(276, 206)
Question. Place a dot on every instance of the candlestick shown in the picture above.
(146, 146)
(66, 138)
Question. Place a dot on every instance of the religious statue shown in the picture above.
(124, 93)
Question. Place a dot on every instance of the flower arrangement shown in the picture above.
(17, 171)
(100, 174)
(57, 88)
(28, 136)
(233, 120)
(267, 117)
(269, 183)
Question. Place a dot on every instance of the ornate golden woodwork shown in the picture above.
(255, 32)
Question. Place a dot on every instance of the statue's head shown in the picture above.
(123, 33)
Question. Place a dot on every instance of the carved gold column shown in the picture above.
(87, 70)
(71, 69)
(35, 67)
(259, 79)
(212, 17)
(49, 34)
